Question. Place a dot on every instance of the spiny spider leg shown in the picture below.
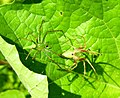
(91, 65)
(28, 54)
(52, 60)
(39, 34)
(74, 65)
(84, 46)
(84, 67)
(41, 25)
(51, 31)
(34, 55)
(31, 48)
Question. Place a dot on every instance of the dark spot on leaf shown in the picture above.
(61, 13)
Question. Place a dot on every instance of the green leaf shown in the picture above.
(12, 94)
(34, 82)
(97, 20)
(5, 2)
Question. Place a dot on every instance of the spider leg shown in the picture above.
(91, 65)
(25, 38)
(74, 65)
(38, 38)
(34, 55)
(41, 25)
(84, 41)
(84, 45)
(51, 31)
(84, 68)
(53, 60)
(39, 34)
(28, 54)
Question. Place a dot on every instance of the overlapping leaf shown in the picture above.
(36, 84)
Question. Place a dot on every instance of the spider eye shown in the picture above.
(46, 46)
(72, 54)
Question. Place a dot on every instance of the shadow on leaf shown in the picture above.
(3, 80)
(32, 65)
(56, 92)
(31, 1)
(101, 72)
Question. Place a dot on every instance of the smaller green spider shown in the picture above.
(78, 55)
(39, 42)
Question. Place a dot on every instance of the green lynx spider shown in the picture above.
(78, 55)
(39, 44)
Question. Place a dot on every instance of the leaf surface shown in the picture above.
(98, 21)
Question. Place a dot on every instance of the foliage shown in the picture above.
(64, 22)
(12, 93)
